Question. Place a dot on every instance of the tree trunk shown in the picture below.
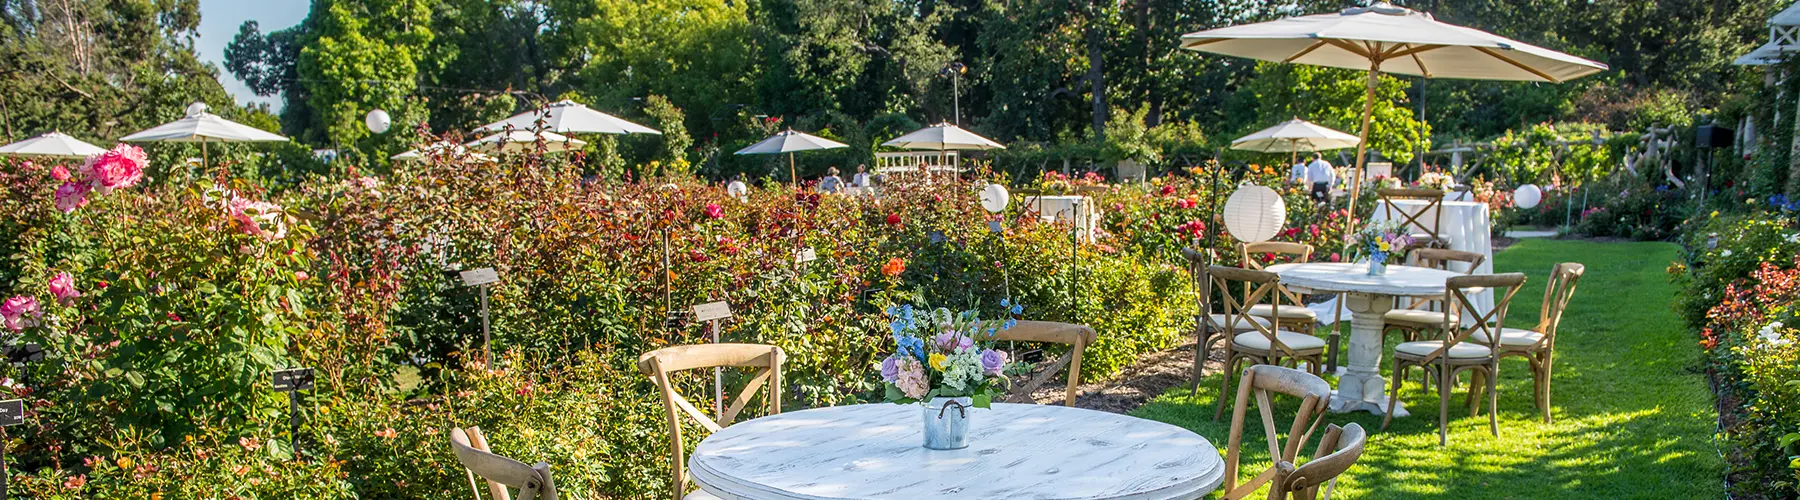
(1097, 72)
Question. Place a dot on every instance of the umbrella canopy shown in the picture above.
(201, 126)
(943, 137)
(1382, 37)
(442, 148)
(789, 141)
(568, 117)
(520, 140)
(53, 144)
(1294, 136)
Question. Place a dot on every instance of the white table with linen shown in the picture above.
(1468, 227)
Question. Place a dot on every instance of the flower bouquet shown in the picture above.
(1436, 180)
(947, 361)
(1381, 241)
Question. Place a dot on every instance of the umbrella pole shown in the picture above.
(1362, 148)
(791, 175)
(203, 160)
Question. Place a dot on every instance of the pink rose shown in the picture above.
(63, 287)
(59, 173)
(713, 210)
(911, 379)
(71, 196)
(258, 218)
(119, 168)
(14, 310)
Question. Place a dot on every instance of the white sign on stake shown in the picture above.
(481, 276)
(806, 255)
(712, 310)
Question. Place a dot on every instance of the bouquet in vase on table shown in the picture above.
(941, 354)
(1382, 242)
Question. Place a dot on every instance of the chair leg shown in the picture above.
(1493, 389)
(1225, 382)
(1393, 396)
(1331, 349)
(1200, 358)
(1444, 375)
(1544, 372)
(1477, 382)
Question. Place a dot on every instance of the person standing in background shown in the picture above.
(861, 179)
(1297, 173)
(1322, 177)
(831, 183)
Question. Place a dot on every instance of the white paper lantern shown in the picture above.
(378, 121)
(1528, 196)
(994, 198)
(1254, 213)
(737, 189)
(196, 108)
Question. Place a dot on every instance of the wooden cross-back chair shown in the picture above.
(1537, 345)
(1296, 318)
(1209, 327)
(1077, 337)
(1424, 314)
(1453, 353)
(1266, 344)
(1414, 221)
(658, 364)
(1338, 448)
(533, 481)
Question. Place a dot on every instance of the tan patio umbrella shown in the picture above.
(1384, 38)
(519, 140)
(203, 127)
(568, 117)
(943, 137)
(789, 141)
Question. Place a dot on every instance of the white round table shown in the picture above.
(1369, 298)
(1015, 451)
(1466, 224)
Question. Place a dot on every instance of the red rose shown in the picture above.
(893, 219)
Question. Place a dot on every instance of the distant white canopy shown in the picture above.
(201, 126)
(444, 148)
(53, 144)
(521, 140)
(789, 141)
(943, 137)
(568, 117)
(1295, 135)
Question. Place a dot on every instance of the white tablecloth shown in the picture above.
(1468, 227)
(1079, 210)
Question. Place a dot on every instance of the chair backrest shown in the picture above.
(1459, 289)
(1300, 252)
(1338, 450)
(533, 481)
(1557, 293)
(1077, 337)
(1439, 258)
(1197, 261)
(1416, 218)
(1257, 286)
(1258, 381)
(658, 364)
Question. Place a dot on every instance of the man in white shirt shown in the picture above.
(861, 179)
(1320, 174)
(1297, 173)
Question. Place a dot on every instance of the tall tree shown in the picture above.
(361, 56)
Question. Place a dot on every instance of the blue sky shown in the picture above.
(219, 21)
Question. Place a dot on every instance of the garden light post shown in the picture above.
(955, 71)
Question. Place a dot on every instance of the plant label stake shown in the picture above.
(12, 412)
(292, 381)
(806, 255)
(482, 278)
(712, 312)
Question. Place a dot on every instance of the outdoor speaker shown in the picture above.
(1712, 136)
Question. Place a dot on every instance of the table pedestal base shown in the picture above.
(1361, 387)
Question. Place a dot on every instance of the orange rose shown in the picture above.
(894, 267)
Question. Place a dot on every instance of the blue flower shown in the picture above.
(897, 326)
(1005, 303)
(1009, 324)
(1778, 200)
(1016, 309)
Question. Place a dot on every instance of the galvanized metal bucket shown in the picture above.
(947, 423)
(1377, 268)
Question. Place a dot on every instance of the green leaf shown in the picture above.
(983, 401)
(1788, 439)
(208, 288)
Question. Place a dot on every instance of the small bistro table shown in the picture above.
(1015, 451)
(1369, 298)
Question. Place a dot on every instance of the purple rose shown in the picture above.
(890, 369)
(992, 361)
(948, 341)
(964, 343)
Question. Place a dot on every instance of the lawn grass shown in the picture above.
(1634, 417)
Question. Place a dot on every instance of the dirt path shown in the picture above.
(1152, 375)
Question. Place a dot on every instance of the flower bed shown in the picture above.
(1742, 291)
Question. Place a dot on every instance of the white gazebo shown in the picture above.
(1784, 38)
(941, 142)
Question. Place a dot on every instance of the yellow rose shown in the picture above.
(937, 362)
(124, 462)
(1384, 246)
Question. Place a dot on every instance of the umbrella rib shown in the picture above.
(1517, 64)
(1303, 53)
(1350, 47)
